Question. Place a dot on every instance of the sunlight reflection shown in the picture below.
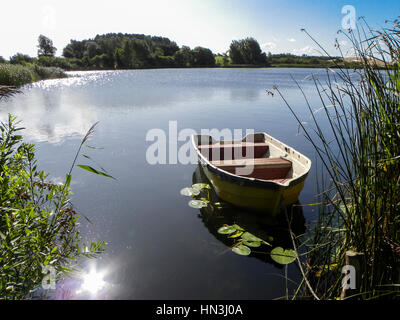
(92, 282)
(89, 284)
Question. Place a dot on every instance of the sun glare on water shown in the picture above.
(93, 282)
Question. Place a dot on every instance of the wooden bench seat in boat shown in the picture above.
(221, 151)
(263, 168)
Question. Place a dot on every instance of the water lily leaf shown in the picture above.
(250, 237)
(197, 204)
(237, 227)
(242, 250)
(236, 234)
(200, 186)
(189, 192)
(283, 256)
(226, 230)
(252, 243)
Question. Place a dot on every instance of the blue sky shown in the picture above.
(213, 24)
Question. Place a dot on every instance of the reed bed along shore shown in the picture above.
(358, 222)
(19, 75)
(39, 227)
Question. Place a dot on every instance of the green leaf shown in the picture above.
(91, 147)
(197, 204)
(189, 192)
(236, 234)
(226, 230)
(242, 250)
(68, 181)
(251, 243)
(250, 237)
(93, 170)
(47, 260)
(237, 227)
(283, 256)
(201, 186)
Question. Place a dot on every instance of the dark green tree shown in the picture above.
(184, 57)
(75, 49)
(124, 51)
(46, 47)
(203, 57)
(235, 52)
(20, 58)
(247, 51)
(97, 61)
(141, 53)
(124, 55)
(91, 49)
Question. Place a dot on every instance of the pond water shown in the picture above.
(157, 246)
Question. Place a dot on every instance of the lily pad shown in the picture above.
(238, 227)
(242, 250)
(200, 186)
(236, 234)
(197, 204)
(283, 256)
(252, 243)
(250, 237)
(227, 230)
(189, 192)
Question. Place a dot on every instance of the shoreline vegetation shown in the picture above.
(39, 227)
(117, 51)
(18, 75)
(353, 247)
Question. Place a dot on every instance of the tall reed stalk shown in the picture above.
(360, 156)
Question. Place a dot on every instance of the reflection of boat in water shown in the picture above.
(258, 172)
(274, 231)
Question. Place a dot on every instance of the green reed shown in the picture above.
(19, 75)
(39, 226)
(360, 154)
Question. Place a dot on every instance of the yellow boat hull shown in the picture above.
(269, 199)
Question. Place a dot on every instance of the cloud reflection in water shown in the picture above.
(49, 112)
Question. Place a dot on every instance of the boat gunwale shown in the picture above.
(254, 181)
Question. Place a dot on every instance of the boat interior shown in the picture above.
(266, 160)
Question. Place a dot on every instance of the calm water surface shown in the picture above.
(159, 247)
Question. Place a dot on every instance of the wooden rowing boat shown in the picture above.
(259, 172)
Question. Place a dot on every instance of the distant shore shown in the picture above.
(19, 75)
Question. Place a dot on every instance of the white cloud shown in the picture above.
(291, 40)
(268, 46)
(305, 50)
